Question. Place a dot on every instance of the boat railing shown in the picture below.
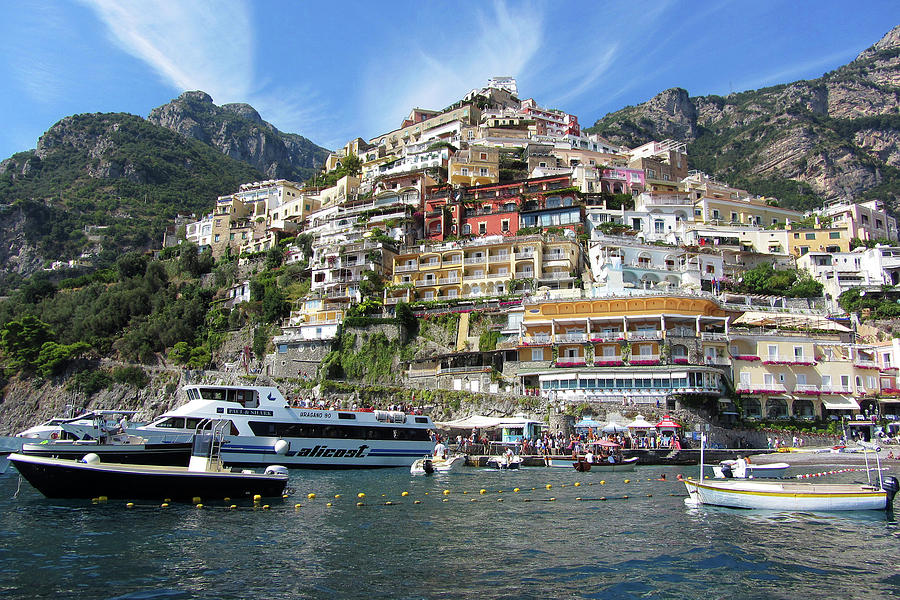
(206, 453)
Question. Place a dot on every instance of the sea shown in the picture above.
(533, 533)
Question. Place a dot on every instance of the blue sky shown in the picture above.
(336, 70)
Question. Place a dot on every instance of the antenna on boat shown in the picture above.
(702, 440)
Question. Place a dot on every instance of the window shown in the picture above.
(798, 352)
(483, 172)
(464, 172)
(217, 237)
(804, 250)
(467, 229)
(537, 354)
(810, 236)
(282, 348)
(483, 156)
(504, 225)
(796, 236)
(801, 379)
(482, 228)
(879, 224)
(715, 213)
(651, 173)
(734, 217)
(834, 235)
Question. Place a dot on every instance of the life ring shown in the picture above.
(54, 435)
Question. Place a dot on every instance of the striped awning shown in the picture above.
(840, 403)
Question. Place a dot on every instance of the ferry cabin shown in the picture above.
(265, 429)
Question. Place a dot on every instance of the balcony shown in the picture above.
(643, 359)
(434, 264)
(389, 301)
(456, 260)
(806, 388)
(524, 274)
(498, 258)
(614, 336)
(478, 260)
(835, 389)
(865, 364)
(765, 388)
(555, 256)
(802, 360)
(713, 336)
(716, 361)
(405, 268)
(556, 276)
(570, 338)
(525, 255)
(448, 280)
(426, 282)
(536, 340)
(477, 277)
(684, 333)
(497, 275)
(644, 335)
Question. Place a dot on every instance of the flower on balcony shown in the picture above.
(798, 363)
(644, 363)
(890, 390)
(680, 361)
(807, 392)
(608, 363)
(875, 367)
(569, 364)
(747, 357)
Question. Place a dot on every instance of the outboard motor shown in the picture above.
(428, 465)
(727, 473)
(890, 485)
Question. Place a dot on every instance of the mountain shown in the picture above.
(239, 132)
(806, 142)
(117, 174)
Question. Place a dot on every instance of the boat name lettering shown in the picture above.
(326, 452)
(250, 411)
(315, 414)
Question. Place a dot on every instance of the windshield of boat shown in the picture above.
(244, 397)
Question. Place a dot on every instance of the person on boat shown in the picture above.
(440, 450)
(508, 455)
(611, 459)
(589, 457)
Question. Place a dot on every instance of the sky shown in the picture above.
(334, 72)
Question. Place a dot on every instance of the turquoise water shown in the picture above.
(639, 547)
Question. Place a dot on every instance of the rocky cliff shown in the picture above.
(239, 132)
(837, 136)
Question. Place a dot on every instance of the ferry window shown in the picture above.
(346, 416)
(172, 422)
(421, 419)
(192, 422)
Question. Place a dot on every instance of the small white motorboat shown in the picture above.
(504, 463)
(433, 464)
(741, 469)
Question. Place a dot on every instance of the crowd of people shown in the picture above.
(558, 444)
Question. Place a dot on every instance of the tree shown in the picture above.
(274, 258)
(188, 262)
(274, 305)
(131, 265)
(407, 320)
(22, 341)
(372, 284)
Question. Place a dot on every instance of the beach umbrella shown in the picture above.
(613, 427)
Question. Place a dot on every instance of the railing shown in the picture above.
(525, 255)
(496, 275)
(448, 280)
(556, 276)
(478, 260)
(571, 337)
(667, 200)
(555, 256)
(615, 336)
(405, 268)
(865, 364)
(435, 264)
(426, 282)
(718, 361)
(456, 260)
(644, 335)
(711, 336)
(638, 359)
(765, 388)
(531, 340)
(681, 333)
(394, 300)
(472, 277)
(524, 274)
(499, 258)
(836, 389)
(806, 388)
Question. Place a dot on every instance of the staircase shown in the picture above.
(462, 332)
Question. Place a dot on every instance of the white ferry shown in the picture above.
(265, 430)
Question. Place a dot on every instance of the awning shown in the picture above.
(840, 403)
(889, 400)
(640, 423)
(793, 320)
(588, 423)
(667, 423)
(605, 444)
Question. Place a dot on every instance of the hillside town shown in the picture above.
(611, 272)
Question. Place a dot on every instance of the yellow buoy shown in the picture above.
(552, 499)
(446, 492)
(465, 492)
(404, 494)
(167, 500)
(227, 499)
(265, 507)
(577, 499)
(164, 505)
(417, 502)
(311, 496)
(445, 500)
(473, 499)
(627, 481)
(103, 498)
(337, 495)
(515, 489)
(562, 485)
(257, 497)
(298, 505)
(482, 491)
(388, 503)
(602, 482)
(129, 505)
(361, 495)
(548, 486)
(233, 507)
(284, 496)
(328, 504)
(199, 505)
(577, 484)
(359, 504)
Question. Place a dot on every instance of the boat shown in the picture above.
(792, 495)
(627, 464)
(744, 470)
(608, 457)
(132, 450)
(264, 428)
(204, 477)
(95, 424)
(433, 464)
(504, 463)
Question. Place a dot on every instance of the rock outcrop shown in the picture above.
(238, 131)
(837, 136)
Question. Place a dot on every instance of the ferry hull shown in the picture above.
(788, 496)
(322, 453)
(59, 478)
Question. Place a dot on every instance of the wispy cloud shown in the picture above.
(801, 69)
(503, 42)
(191, 45)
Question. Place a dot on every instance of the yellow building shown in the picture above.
(832, 239)
(483, 267)
(744, 211)
(478, 165)
(633, 349)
